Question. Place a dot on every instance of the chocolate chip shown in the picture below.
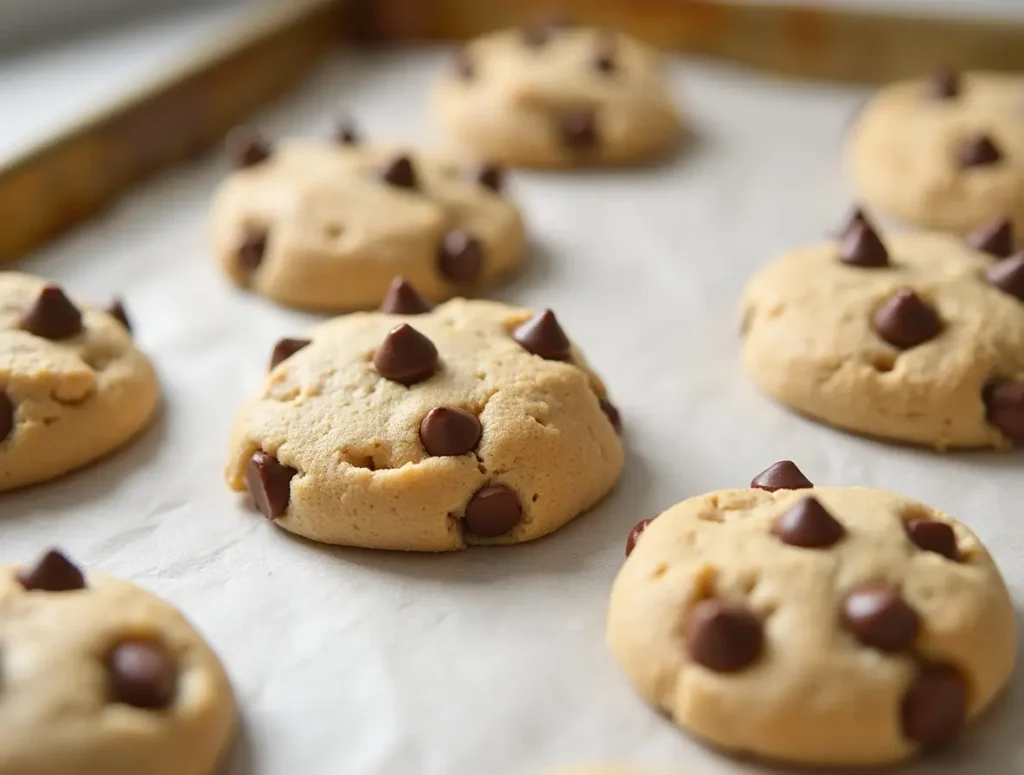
(117, 311)
(906, 320)
(723, 637)
(604, 54)
(995, 238)
(285, 349)
(463, 64)
(1004, 407)
(878, 617)
(53, 572)
(252, 248)
(635, 533)
(857, 216)
(460, 257)
(345, 132)
(6, 415)
(491, 176)
(944, 83)
(861, 246)
(448, 430)
(979, 151)
(538, 32)
(783, 475)
(1008, 275)
(578, 128)
(53, 315)
(612, 413)
(402, 299)
(935, 706)
(269, 483)
(493, 511)
(400, 172)
(247, 147)
(541, 335)
(405, 356)
(930, 535)
(808, 525)
(142, 674)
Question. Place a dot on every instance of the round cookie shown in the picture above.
(820, 625)
(99, 676)
(473, 423)
(918, 339)
(73, 386)
(944, 153)
(327, 225)
(550, 95)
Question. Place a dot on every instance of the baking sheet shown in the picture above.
(490, 661)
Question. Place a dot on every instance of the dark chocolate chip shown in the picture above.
(285, 349)
(944, 83)
(538, 32)
(460, 257)
(1004, 407)
(269, 483)
(402, 299)
(6, 415)
(247, 147)
(251, 249)
(53, 572)
(604, 54)
(808, 525)
(878, 617)
(906, 320)
(935, 706)
(491, 176)
(117, 311)
(723, 637)
(142, 674)
(464, 65)
(541, 335)
(345, 131)
(400, 172)
(53, 315)
(635, 533)
(995, 238)
(861, 246)
(612, 413)
(493, 511)
(578, 128)
(930, 535)
(979, 151)
(1008, 275)
(448, 430)
(405, 356)
(783, 475)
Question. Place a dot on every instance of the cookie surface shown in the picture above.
(556, 96)
(825, 625)
(915, 338)
(944, 153)
(428, 431)
(328, 225)
(73, 386)
(100, 676)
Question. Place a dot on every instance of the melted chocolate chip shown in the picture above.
(142, 674)
(6, 415)
(53, 572)
(935, 706)
(861, 246)
(578, 128)
(247, 147)
(944, 84)
(405, 356)
(1008, 275)
(604, 54)
(1004, 407)
(449, 431)
(402, 299)
(930, 535)
(463, 64)
(345, 132)
(400, 172)
(460, 257)
(251, 249)
(995, 238)
(543, 336)
(269, 483)
(53, 315)
(285, 349)
(117, 311)
(808, 525)
(878, 617)
(906, 320)
(611, 413)
(723, 637)
(979, 151)
(493, 511)
(635, 533)
(783, 475)
(491, 176)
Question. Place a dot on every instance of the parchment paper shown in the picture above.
(491, 661)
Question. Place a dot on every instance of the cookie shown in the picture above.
(73, 386)
(473, 423)
(99, 676)
(327, 225)
(551, 95)
(913, 338)
(944, 153)
(818, 625)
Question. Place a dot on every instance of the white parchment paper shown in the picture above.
(491, 661)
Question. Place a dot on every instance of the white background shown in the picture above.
(492, 661)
